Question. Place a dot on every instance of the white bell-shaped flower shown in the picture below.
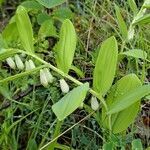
(19, 62)
(11, 63)
(94, 103)
(43, 78)
(49, 76)
(31, 63)
(27, 65)
(64, 86)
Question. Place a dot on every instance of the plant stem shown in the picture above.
(122, 46)
(99, 96)
(110, 125)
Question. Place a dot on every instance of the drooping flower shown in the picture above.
(43, 78)
(19, 62)
(49, 76)
(64, 86)
(31, 64)
(11, 63)
(27, 65)
(94, 103)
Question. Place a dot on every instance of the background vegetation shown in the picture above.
(27, 120)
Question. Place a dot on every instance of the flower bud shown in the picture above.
(19, 62)
(48, 75)
(43, 78)
(11, 63)
(64, 86)
(94, 103)
(31, 64)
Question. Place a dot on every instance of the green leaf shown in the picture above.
(51, 3)
(147, 6)
(62, 147)
(10, 33)
(32, 5)
(133, 6)
(120, 121)
(105, 68)
(42, 17)
(129, 98)
(1, 2)
(70, 102)
(136, 53)
(25, 29)
(137, 144)
(32, 145)
(142, 20)
(148, 97)
(65, 48)
(3, 43)
(121, 23)
(108, 146)
(4, 90)
(63, 13)
(47, 29)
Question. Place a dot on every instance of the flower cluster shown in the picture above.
(45, 75)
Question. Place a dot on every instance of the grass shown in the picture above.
(26, 118)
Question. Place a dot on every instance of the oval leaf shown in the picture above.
(129, 98)
(120, 121)
(105, 68)
(136, 53)
(70, 102)
(25, 29)
(65, 48)
(32, 5)
(47, 29)
(10, 33)
(137, 144)
(51, 3)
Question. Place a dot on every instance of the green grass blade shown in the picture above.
(121, 23)
(133, 6)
